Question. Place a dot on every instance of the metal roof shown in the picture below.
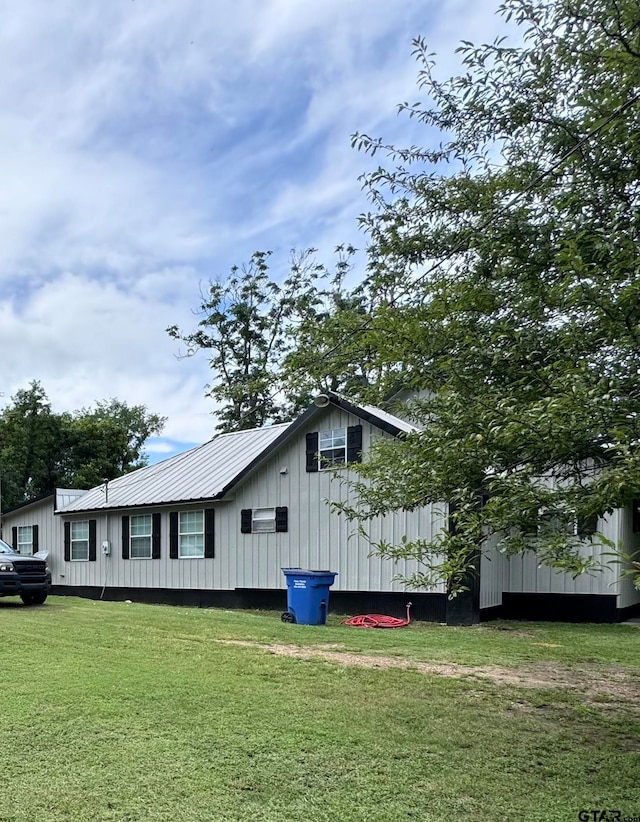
(198, 474)
(391, 419)
(65, 496)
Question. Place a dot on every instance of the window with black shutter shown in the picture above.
(333, 447)
(67, 542)
(155, 536)
(282, 519)
(125, 537)
(587, 526)
(264, 520)
(92, 540)
(354, 443)
(245, 520)
(173, 535)
(312, 452)
(209, 533)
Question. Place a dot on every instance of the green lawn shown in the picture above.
(114, 711)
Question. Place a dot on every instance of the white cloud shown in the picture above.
(146, 147)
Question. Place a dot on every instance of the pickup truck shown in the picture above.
(23, 576)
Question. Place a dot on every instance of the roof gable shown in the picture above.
(210, 471)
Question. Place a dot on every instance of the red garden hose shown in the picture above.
(378, 620)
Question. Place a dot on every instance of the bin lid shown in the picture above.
(299, 572)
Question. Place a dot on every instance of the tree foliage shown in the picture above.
(513, 249)
(260, 334)
(40, 449)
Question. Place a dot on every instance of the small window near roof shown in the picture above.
(332, 446)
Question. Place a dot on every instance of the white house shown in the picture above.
(216, 524)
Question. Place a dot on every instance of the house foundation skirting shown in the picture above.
(559, 608)
(599, 608)
(424, 607)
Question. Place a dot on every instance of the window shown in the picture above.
(332, 447)
(335, 446)
(264, 520)
(190, 534)
(140, 536)
(80, 541)
(25, 539)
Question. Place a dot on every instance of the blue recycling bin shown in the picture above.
(307, 595)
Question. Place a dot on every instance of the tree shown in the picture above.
(30, 453)
(260, 334)
(121, 430)
(516, 291)
(40, 449)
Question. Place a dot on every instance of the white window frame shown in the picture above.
(76, 542)
(182, 532)
(141, 536)
(24, 542)
(263, 520)
(330, 436)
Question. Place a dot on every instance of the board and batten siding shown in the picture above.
(38, 513)
(317, 538)
(628, 594)
(526, 576)
(494, 574)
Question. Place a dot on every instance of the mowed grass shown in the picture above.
(114, 711)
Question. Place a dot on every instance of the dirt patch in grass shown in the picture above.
(600, 684)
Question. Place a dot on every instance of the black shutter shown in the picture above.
(34, 539)
(209, 548)
(245, 521)
(155, 536)
(282, 519)
(173, 535)
(14, 537)
(587, 527)
(354, 443)
(312, 452)
(92, 540)
(125, 537)
(635, 507)
(67, 542)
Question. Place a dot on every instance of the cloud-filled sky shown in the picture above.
(146, 147)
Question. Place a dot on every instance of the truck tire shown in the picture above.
(34, 599)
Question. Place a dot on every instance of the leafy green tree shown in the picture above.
(30, 453)
(513, 249)
(261, 335)
(40, 449)
(120, 432)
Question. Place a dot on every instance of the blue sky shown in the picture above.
(147, 147)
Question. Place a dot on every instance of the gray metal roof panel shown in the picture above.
(200, 473)
(65, 496)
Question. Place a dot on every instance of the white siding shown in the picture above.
(318, 538)
(494, 575)
(525, 575)
(628, 594)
